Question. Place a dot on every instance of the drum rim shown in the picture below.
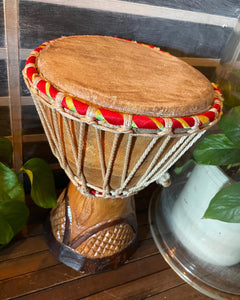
(112, 118)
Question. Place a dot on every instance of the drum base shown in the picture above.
(91, 234)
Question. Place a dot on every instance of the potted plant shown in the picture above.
(206, 215)
(13, 209)
(223, 149)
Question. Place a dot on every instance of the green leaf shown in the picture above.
(6, 232)
(15, 213)
(230, 125)
(13, 216)
(10, 184)
(42, 182)
(225, 205)
(6, 149)
(216, 149)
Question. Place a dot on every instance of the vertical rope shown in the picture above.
(168, 154)
(128, 149)
(80, 155)
(140, 161)
(47, 127)
(125, 166)
(100, 152)
(184, 147)
(59, 142)
(80, 146)
(52, 139)
(110, 164)
(161, 149)
(52, 123)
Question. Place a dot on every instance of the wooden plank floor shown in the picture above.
(29, 271)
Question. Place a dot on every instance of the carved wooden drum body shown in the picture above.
(117, 115)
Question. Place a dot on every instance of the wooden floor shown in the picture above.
(29, 271)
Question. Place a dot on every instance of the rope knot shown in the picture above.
(164, 180)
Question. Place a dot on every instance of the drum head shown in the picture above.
(124, 76)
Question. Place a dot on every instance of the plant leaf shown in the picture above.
(6, 149)
(230, 125)
(10, 184)
(216, 149)
(13, 216)
(6, 232)
(15, 213)
(225, 205)
(42, 182)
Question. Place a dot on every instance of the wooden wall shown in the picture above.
(196, 31)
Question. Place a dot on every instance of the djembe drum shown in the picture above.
(117, 115)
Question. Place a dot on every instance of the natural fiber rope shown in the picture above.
(127, 122)
(47, 128)
(163, 170)
(77, 156)
(80, 147)
(188, 142)
(150, 133)
(110, 164)
(80, 157)
(169, 153)
(161, 149)
(100, 152)
(138, 164)
(55, 139)
(183, 136)
(126, 161)
(56, 127)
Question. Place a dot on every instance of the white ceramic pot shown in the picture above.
(213, 241)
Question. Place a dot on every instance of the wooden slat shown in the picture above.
(34, 138)
(3, 53)
(31, 254)
(23, 247)
(26, 100)
(31, 241)
(34, 281)
(141, 288)
(145, 10)
(34, 244)
(183, 292)
(43, 278)
(26, 264)
(4, 101)
(11, 30)
(87, 285)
